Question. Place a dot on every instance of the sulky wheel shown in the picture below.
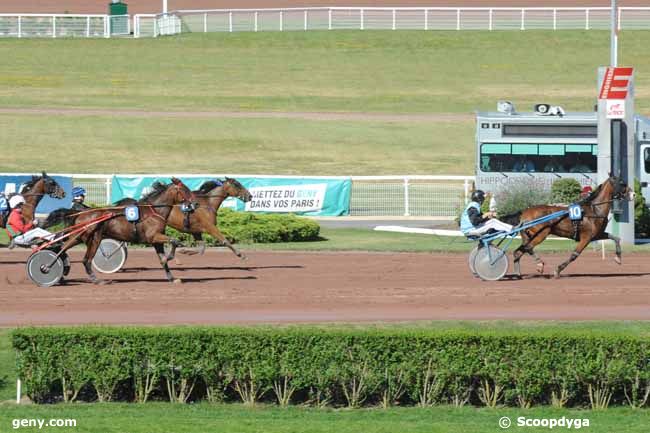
(491, 263)
(110, 256)
(44, 268)
(472, 256)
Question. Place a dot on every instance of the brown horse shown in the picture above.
(33, 192)
(204, 218)
(595, 211)
(154, 209)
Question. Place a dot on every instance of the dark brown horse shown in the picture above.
(154, 209)
(33, 192)
(595, 210)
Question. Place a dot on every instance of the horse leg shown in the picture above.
(92, 245)
(160, 250)
(617, 242)
(198, 237)
(215, 233)
(574, 255)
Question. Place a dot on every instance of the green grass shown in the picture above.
(349, 71)
(376, 71)
(203, 418)
(368, 240)
(95, 144)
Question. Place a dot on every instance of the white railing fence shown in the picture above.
(54, 26)
(406, 18)
(434, 196)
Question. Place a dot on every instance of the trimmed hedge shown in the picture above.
(246, 227)
(565, 191)
(333, 367)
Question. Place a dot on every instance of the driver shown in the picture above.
(20, 232)
(474, 223)
(78, 198)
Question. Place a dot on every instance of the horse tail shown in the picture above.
(58, 216)
(513, 219)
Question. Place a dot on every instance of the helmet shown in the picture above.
(16, 200)
(586, 190)
(78, 191)
(478, 196)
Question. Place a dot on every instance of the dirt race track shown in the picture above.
(282, 287)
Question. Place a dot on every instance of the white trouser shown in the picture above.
(27, 238)
(491, 224)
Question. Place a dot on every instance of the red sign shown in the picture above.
(615, 83)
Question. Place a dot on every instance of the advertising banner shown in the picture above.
(302, 196)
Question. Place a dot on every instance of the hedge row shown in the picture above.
(247, 227)
(333, 367)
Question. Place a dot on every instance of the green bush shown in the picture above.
(565, 191)
(246, 227)
(521, 196)
(641, 213)
(321, 367)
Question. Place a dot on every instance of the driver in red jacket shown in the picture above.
(21, 232)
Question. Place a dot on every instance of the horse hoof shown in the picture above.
(556, 274)
(101, 282)
(243, 257)
(178, 281)
(618, 260)
(540, 268)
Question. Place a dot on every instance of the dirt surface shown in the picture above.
(280, 287)
(155, 6)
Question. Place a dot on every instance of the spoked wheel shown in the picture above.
(44, 268)
(110, 256)
(472, 256)
(491, 263)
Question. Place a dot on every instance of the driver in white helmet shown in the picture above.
(475, 223)
(21, 232)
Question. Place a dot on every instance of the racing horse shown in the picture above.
(595, 210)
(149, 228)
(203, 219)
(33, 192)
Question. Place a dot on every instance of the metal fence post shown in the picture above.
(490, 21)
(205, 22)
(523, 18)
(361, 19)
(554, 19)
(466, 187)
(87, 27)
(406, 197)
(230, 22)
(281, 21)
(256, 17)
(457, 19)
(394, 16)
(426, 19)
(108, 190)
(20, 29)
(54, 26)
(329, 19)
(305, 19)
(586, 19)
(18, 390)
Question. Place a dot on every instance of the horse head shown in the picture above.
(183, 193)
(43, 185)
(233, 188)
(620, 189)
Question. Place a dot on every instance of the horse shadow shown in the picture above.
(513, 277)
(211, 268)
(188, 280)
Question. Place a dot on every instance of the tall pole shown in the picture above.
(165, 6)
(613, 37)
